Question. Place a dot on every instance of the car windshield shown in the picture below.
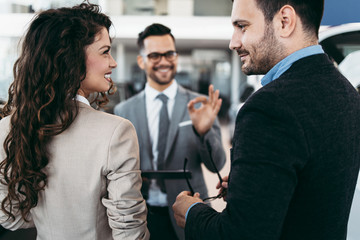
(344, 50)
(349, 67)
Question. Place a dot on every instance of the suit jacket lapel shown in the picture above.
(179, 110)
(143, 132)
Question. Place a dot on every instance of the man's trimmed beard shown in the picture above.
(264, 54)
(153, 76)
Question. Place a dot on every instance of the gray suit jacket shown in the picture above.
(182, 142)
(94, 182)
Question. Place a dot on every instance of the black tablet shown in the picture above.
(166, 174)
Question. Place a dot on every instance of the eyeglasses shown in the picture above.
(156, 57)
(221, 194)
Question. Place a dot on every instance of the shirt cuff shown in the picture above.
(187, 212)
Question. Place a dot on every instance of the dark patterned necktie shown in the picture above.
(164, 123)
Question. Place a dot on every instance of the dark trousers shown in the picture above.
(159, 224)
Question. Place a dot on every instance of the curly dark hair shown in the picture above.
(47, 77)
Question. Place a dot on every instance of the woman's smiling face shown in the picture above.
(99, 65)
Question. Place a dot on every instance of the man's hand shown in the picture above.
(223, 187)
(204, 117)
(183, 201)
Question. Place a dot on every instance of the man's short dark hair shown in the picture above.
(309, 11)
(155, 29)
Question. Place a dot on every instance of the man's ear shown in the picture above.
(286, 21)
(140, 62)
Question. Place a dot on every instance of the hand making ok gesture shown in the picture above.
(204, 116)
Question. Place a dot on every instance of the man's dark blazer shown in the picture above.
(182, 142)
(294, 161)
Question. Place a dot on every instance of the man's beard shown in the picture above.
(265, 54)
(159, 81)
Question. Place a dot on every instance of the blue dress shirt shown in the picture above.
(286, 63)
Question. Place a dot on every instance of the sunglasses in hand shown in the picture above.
(223, 190)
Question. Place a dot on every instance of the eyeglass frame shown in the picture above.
(223, 191)
(173, 55)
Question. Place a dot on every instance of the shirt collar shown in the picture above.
(286, 63)
(170, 92)
(82, 99)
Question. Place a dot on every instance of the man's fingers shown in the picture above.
(211, 91)
(182, 194)
(183, 201)
(191, 106)
(224, 183)
(200, 99)
(187, 193)
(215, 96)
(214, 100)
(217, 106)
(218, 185)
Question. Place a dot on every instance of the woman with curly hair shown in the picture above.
(67, 169)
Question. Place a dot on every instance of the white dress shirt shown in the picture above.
(153, 107)
(82, 99)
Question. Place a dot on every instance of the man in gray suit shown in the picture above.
(191, 132)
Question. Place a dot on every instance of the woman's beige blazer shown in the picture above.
(94, 182)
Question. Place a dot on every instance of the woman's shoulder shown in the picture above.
(98, 117)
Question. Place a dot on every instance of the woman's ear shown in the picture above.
(140, 62)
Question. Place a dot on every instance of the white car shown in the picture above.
(342, 44)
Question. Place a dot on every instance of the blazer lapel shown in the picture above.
(143, 132)
(179, 110)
